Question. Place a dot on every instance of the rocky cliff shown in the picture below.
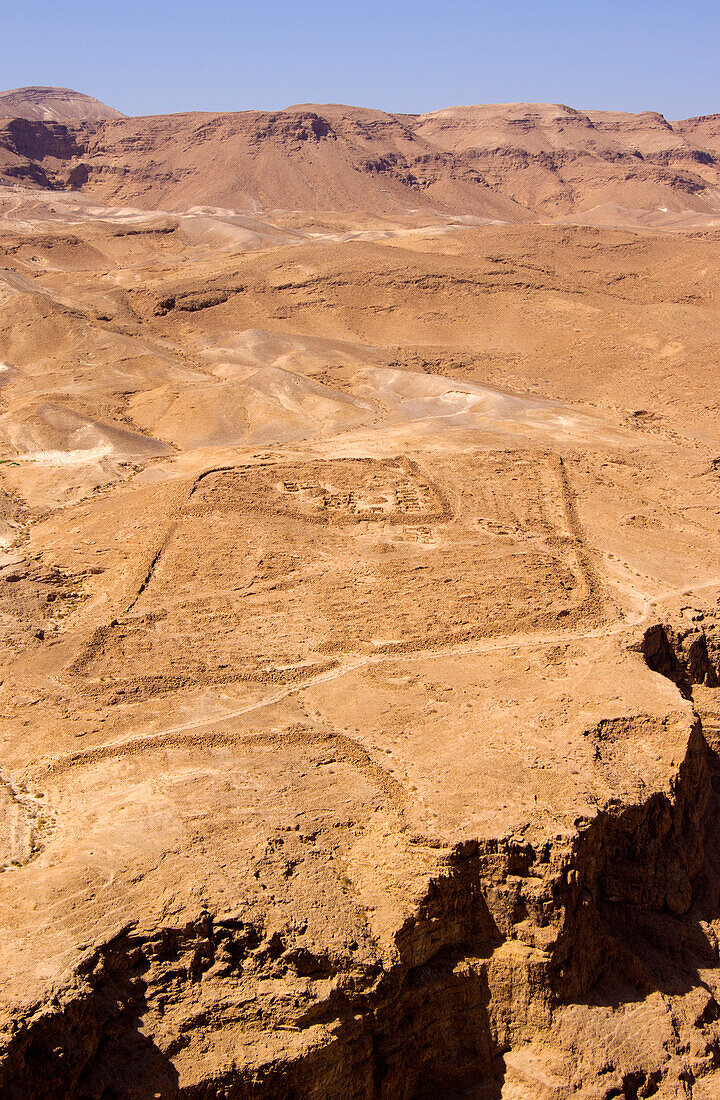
(508, 162)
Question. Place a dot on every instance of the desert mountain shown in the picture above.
(508, 162)
(53, 105)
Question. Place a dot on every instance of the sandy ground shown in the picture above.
(326, 555)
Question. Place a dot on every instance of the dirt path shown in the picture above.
(170, 734)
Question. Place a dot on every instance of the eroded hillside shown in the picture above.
(506, 162)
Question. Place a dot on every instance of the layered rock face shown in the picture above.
(507, 162)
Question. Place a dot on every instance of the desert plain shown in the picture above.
(359, 604)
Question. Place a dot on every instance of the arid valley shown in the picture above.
(359, 604)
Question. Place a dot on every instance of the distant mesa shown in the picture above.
(54, 105)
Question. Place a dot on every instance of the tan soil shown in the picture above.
(359, 624)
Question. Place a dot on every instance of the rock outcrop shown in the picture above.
(508, 162)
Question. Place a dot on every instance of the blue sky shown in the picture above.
(157, 56)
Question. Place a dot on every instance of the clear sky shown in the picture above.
(156, 56)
